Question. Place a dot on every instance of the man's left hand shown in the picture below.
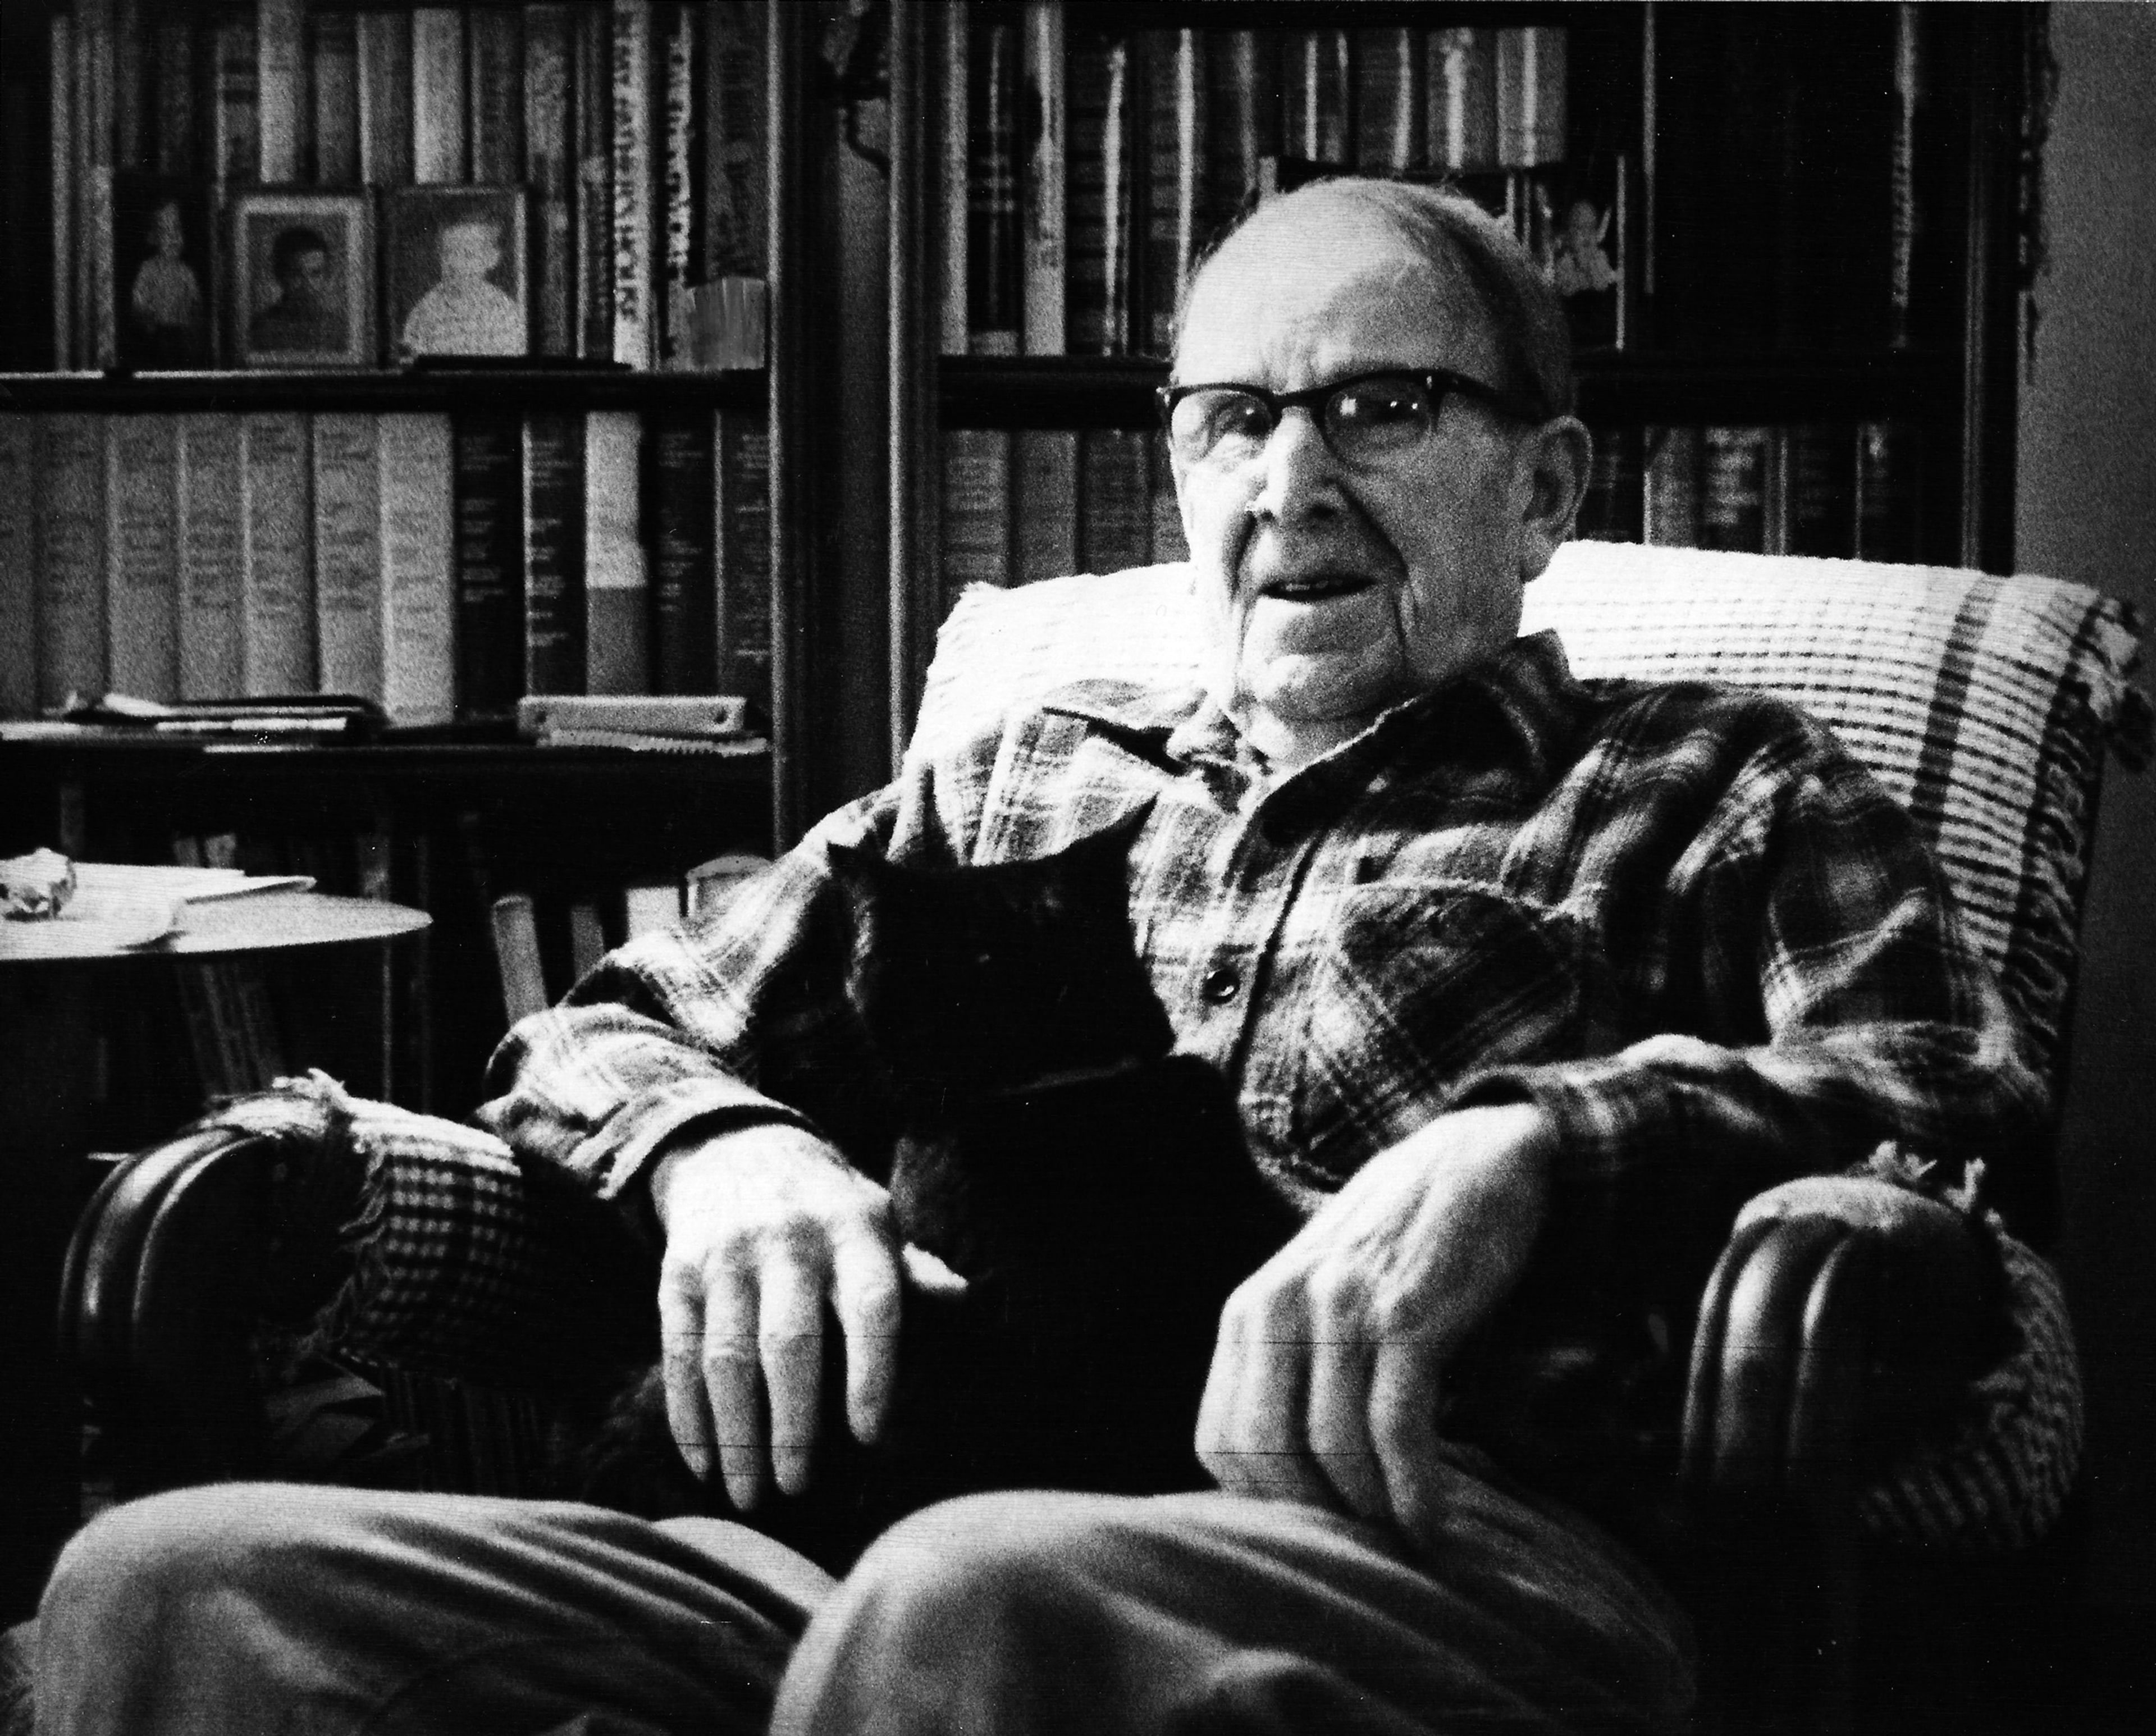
(1324, 1383)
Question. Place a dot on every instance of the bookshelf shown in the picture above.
(1861, 169)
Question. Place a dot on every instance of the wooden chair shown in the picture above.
(1986, 705)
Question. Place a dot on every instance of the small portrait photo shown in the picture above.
(303, 271)
(160, 272)
(457, 272)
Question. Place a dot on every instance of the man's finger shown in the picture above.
(1404, 1430)
(1339, 1427)
(711, 1374)
(681, 1366)
(1261, 1449)
(790, 1340)
(865, 1295)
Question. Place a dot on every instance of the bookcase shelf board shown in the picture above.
(505, 389)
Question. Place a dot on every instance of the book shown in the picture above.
(70, 584)
(631, 278)
(548, 148)
(419, 577)
(1102, 163)
(236, 114)
(276, 590)
(1319, 80)
(489, 492)
(591, 70)
(1242, 120)
(96, 336)
(1175, 131)
(680, 257)
(975, 523)
(281, 81)
(1114, 511)
(684, 552)
(131, 137)
(1044, 166)
(347, 552)
(745, 624)
(1531, 95)
(494, 58)
(19, 564)
(440, 130)
(1614, 508)
(954, 61)
(1671, 505)
(1735, 463)
(212, 542)
(736, 200)
(141, 594)
(335, 84)
(671, 714)
(1889, 492)
(1389, 102)
(60, 79)
(177, 147)
(1044, 502)
(1820, 490)
(993, 260)
(553, 552)
(617, 582)
(383, 49)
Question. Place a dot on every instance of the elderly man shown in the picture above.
(1496, 962)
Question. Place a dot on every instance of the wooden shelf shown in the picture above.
(433, 389)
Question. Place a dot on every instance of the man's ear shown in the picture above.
(1553, 464)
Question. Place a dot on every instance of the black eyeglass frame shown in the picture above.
(1437, 383)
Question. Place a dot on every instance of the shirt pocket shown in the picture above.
(1421, 986)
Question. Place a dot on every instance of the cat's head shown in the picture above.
(984, 979)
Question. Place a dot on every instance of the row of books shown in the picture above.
(1850, 491)
(1039, 502)
(1085, 165)
(228, 183)
(442, 567)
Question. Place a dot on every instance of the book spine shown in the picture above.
(336, 98)
(70, 589)
(1734, 463)
(276, 600)
(680, 259)
(418, 575)
(744, 554)
(617, 582)
(1672, 491)
(1101, 165)
(440, 135)
(494, 51)
(632, 236)
(281, 75)
(1889, 492)
(131, 137)
(1901, 173)
(591, 68)
(1242, 115)
(955, 41)
(547, 154)
(141, 597)
(1319, 85)
(489, 563)
(348, 552)
(96, 326)
(1175, 106)
(1614, 508)
(553, 552)
(1531, 96)
(1041, 197)
(213, 545)
(177, 151)
(736, 201)
(976, 509)
(61, 72)
(19, 564)
(384, 50)
(1115, 513)
(993, 231)
(1822, 489)
(236, 129)
(1045, 489)
(1390, 103)
(685, 552)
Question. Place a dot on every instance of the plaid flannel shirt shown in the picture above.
(1679, 918)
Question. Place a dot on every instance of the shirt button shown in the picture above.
(1220, 984)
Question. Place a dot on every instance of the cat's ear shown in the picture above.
(1112, 842)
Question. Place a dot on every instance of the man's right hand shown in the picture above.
(765, 1226)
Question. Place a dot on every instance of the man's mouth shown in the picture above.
(1315, 587)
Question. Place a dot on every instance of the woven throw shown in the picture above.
(1984, 704)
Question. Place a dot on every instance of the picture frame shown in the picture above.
(302, 269)
(457, 259)
(164, 235)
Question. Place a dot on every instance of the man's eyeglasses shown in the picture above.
(1364, 419)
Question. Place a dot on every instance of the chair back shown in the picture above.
(1983, 704)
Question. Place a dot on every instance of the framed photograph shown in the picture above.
(455, 259)
(160, 272)
(303, 279)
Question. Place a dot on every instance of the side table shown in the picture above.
(54, 988)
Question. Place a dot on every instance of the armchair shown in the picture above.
(1843, 1494)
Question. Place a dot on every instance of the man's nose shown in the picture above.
(1298, 476)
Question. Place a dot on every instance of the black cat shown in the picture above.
(1092, 1188)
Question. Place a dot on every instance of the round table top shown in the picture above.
(251, 923)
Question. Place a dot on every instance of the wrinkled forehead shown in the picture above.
(1308, 290)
